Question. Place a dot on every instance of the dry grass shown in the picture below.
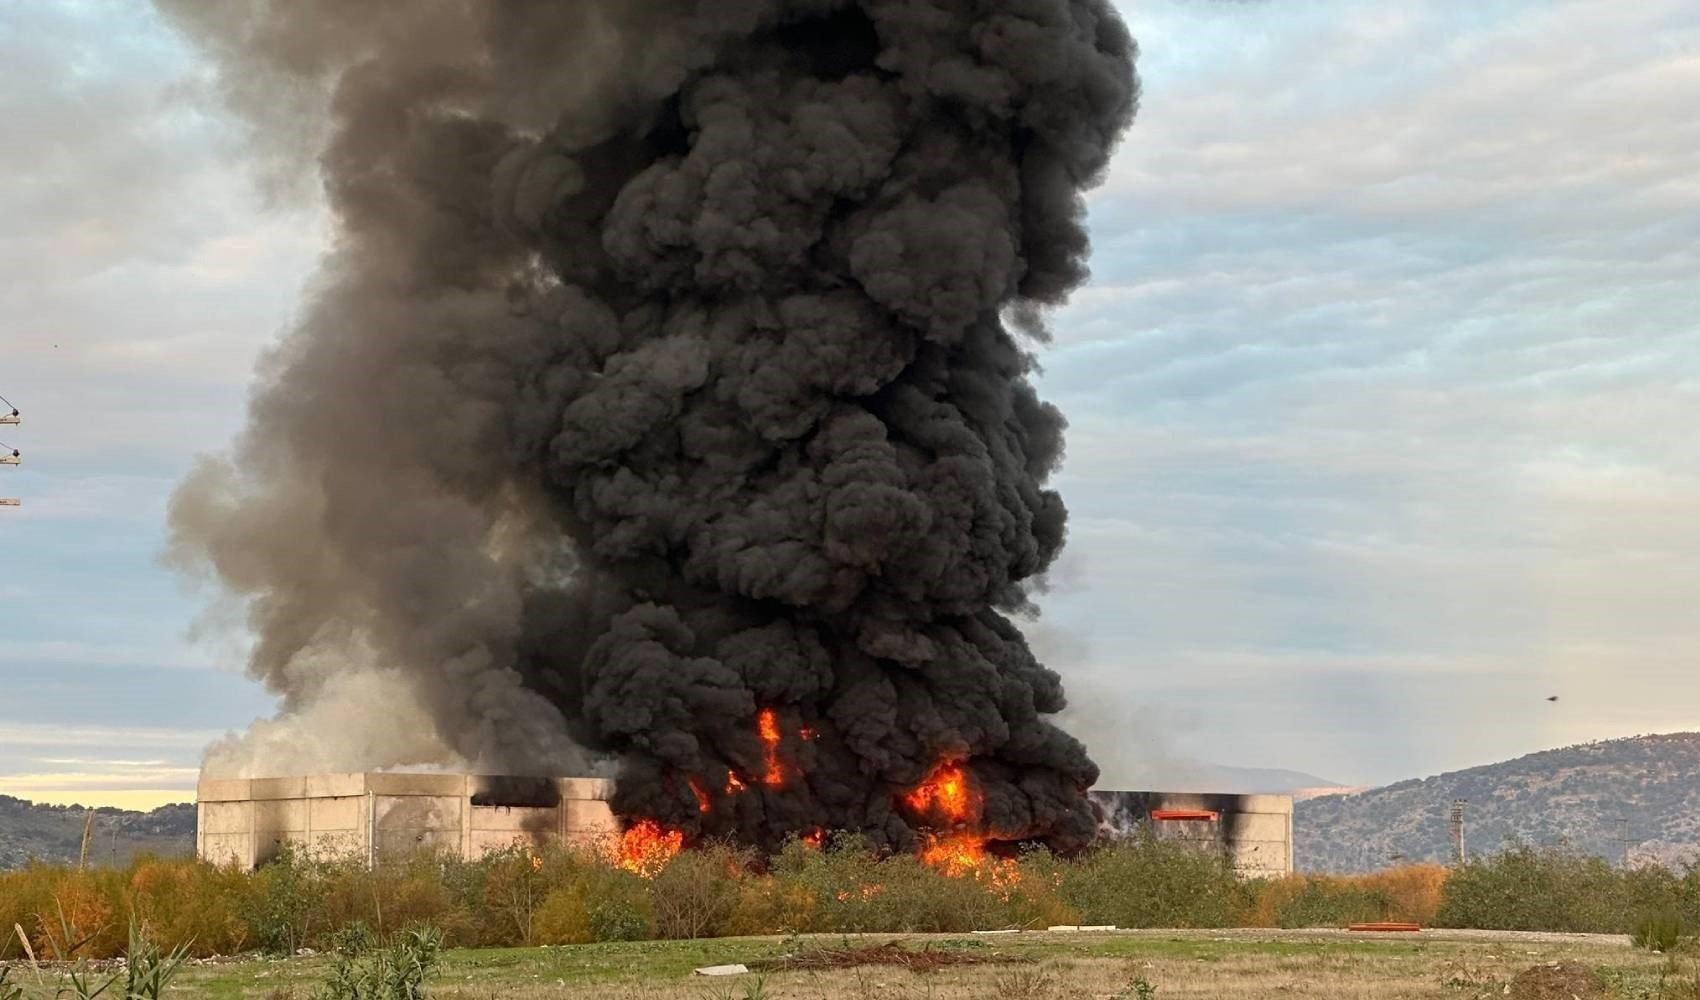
(1178, 965)
(1232, 978)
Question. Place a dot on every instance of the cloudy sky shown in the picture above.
(1382, 397)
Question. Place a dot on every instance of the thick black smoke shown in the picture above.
(668, 369)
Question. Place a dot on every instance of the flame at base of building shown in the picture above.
(647, 846)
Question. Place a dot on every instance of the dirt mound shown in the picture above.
(893, 953)
(1558, 981)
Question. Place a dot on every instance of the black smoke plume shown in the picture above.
(671, 366)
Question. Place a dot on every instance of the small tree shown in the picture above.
(696, 892)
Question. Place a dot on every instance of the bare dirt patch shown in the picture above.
(1558, 981)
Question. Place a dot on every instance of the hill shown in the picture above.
(1593, 798)
(1187, 774)
(29, 831)
(1208, 777)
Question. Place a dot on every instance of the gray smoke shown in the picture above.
(669, 369)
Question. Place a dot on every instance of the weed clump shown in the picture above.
(395, 970)
(1662, 932)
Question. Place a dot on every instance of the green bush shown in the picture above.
(514, 885)
(600, 904)
(1154, 883)
(696, 892)
(1554, 889)
(849, 889)
(1326, 902)
(288, 901)
(410, 891)
(619, 921)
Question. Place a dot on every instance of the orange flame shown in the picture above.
(1002, 876)
(702, 797)
(955, 855)
(648, 846)
(815, 838)
(964, 855)
(864, 892)
(806, 734)
(767, 726)
(945, 793)
(734, 784)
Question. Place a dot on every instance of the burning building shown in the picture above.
(665, 404)
(380, 816)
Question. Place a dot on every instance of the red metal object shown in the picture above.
(1396, 928)
(1174, 815)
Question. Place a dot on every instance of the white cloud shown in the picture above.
(17, 735)
(1381, 398)
(129, 779)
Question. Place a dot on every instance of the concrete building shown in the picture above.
(378, 815)
(1254, 831)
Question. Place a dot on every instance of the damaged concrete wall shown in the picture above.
(1255, 831)
(378, 815)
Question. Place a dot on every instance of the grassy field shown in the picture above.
(1173, 964)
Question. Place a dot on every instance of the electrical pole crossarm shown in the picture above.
(9, 455)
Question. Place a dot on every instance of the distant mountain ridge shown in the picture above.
(1188, 775)
(1642, 793)
(1580, 796)
(1208, 777)
(33, 832)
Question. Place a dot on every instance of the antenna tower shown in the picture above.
(1457, 829)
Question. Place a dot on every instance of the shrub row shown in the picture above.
(558, 896)
(1553, 889)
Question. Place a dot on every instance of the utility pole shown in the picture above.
(1625, 839)
(1459, 856)
(9, 417)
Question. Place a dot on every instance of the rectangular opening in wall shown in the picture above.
(1184, 815)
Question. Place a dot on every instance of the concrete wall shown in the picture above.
(378, 815)
(1255, 831)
